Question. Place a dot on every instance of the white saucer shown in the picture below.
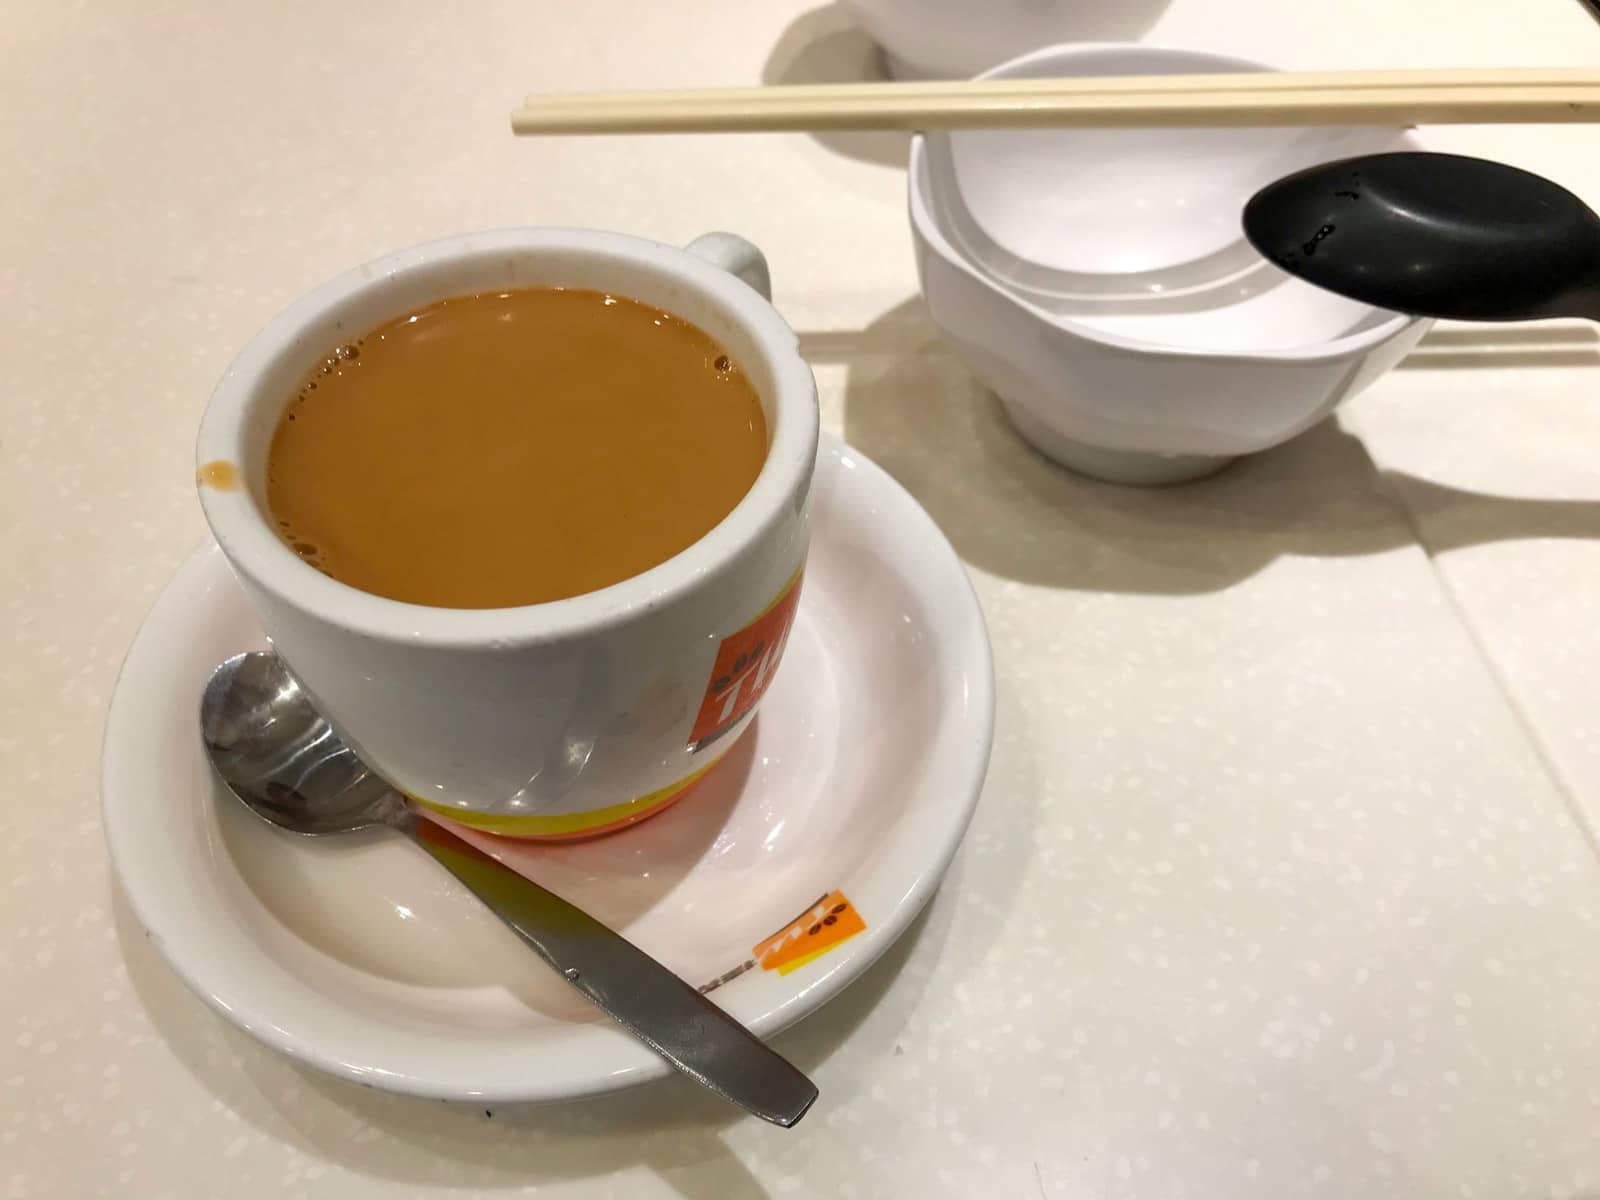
(358, 956)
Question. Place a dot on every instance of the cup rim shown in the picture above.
(244, 532)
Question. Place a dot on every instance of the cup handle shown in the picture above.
(737, 256)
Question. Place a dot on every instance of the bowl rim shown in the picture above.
(928, 232)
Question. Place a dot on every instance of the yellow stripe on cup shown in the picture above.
(566, 825)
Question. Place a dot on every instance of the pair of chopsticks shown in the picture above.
(1499, 96)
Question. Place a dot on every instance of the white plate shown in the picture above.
(358, 956)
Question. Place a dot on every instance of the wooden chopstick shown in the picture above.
(1275, 81)
(1493, 96)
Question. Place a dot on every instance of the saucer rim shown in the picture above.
(767, 1003)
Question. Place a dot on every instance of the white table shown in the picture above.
(1280, 885)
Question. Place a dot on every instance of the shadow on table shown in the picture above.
(670, 1127)
(825, 45)
(912, 406)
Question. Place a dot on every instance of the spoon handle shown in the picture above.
(640, 994)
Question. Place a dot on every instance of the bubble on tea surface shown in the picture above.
(310, 553)
(723, 363)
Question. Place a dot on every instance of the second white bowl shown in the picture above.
(956, 39)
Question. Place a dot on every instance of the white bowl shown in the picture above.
(925, 39)
(1140, 340)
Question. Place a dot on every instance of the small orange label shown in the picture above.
(829, 921)
(744, 667)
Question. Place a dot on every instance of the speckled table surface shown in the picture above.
(1280, 884)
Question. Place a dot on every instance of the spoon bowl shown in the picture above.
(279, 755)
(1434, 235)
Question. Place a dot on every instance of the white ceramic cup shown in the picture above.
(551, 720)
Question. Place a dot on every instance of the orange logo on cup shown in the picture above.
(744, 667)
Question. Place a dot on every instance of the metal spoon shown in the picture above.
(275, 752)
(1434, 235)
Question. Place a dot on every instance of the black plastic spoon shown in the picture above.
(1434, 235)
